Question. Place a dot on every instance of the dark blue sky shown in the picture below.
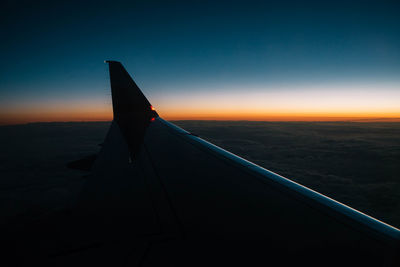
(54, 52)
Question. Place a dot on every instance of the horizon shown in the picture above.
(310, 120)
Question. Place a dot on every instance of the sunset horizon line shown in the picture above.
(361, 119)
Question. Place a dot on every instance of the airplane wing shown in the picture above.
(158, 195)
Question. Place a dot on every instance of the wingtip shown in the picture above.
(111, 61)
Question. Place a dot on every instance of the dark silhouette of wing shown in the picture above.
(158, 195)
(212, 207)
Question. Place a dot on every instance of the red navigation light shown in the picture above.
(153, 119)
(152, 108)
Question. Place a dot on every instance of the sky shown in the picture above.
(233, 60)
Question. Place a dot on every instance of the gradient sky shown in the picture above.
(256, 60)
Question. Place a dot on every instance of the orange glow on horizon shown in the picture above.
(286, 117)
(96, 115)
(379, 104)
(56, 112)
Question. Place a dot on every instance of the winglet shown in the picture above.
(127, 98)
(133, 113)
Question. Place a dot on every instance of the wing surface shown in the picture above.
(231, 211)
